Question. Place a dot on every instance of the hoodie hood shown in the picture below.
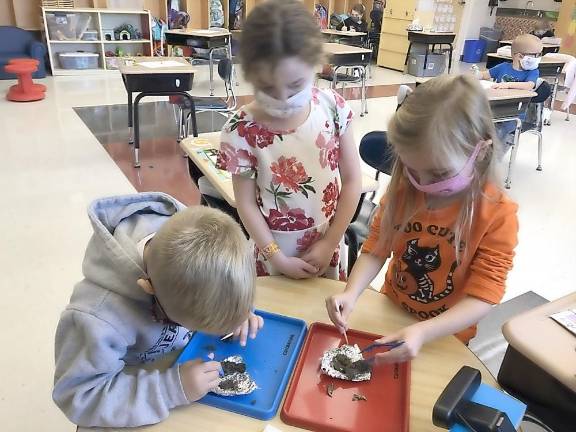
(112, 260)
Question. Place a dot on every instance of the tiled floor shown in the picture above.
(53, 166)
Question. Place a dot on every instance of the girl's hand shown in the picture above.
(293, 267)
(413, 338)
(344, 28)
(339, 308)
(319, 255)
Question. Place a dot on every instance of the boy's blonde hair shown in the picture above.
(526, 43)
(202, 269)
(277, 29)
(444, 119)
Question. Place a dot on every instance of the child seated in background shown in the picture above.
(355, 21)
(153, 271)
(543, 28)
(522, 73)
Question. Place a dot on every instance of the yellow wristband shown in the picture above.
(270, 249)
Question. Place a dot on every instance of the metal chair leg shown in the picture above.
(539, 134)
(508, 181)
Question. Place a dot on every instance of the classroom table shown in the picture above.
(340, 36)
(211, 140)
(545, 342)
(201, 38)
(509, 105)
(546, 47)
(545, 351)
(548, 67)
(169, 76)
(430, 38)
(434, 367)
(348, 56)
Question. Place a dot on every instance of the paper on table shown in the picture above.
(486, 84)
(566, 319)
(162, 64)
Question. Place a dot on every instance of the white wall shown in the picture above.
(547, 5)
(476, 14)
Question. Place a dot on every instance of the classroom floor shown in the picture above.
(53, 165)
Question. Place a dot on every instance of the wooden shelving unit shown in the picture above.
(102, 20)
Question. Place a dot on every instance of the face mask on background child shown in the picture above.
(284, 109)
(529, 63)
(452, 185)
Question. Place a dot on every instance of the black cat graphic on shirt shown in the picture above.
(419, 261)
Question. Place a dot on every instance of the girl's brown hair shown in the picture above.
(444, 118)
(277, 29)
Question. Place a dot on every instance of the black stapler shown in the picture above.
(454, 406)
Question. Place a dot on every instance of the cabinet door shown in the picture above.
(400, 9)
(395, 26)
(390, 59)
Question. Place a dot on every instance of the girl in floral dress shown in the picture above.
(294, 163)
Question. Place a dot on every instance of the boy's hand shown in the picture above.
(319, 255)
(339, 308)
(413, 338)
(500, 85)
(344, 28)
(249, 327)
(352, 29)
(198, 378)
(293, 267)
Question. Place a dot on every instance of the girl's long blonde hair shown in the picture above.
(444, 119)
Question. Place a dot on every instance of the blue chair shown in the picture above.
(18, 43)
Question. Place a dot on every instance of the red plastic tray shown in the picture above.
(308, 405)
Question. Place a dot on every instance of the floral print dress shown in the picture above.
(296, 174)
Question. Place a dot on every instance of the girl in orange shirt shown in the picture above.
(448, 229)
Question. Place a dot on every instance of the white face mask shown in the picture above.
(529, 63)
(284, 109)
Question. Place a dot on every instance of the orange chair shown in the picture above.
(32, 61)
(24, 91)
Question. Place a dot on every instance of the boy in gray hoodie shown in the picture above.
(153, 271)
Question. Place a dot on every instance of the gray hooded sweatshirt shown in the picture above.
(107, 334)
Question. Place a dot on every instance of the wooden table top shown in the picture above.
(507, 94)
(436, 364)
(133, 66)
(547, 45)
(332, 48)
(203, 33)
(211, 140)
(543, 341)
(343, 33)
(431, 33)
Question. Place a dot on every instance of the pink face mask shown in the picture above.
(452, 185)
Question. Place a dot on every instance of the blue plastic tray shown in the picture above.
(270, 359)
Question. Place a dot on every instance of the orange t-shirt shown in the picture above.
(423, 276)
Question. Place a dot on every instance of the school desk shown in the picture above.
(548, 68)
(211, 140)
(546, 47)
(348, 56)
(202, 38)
(539, 366)
(430, 38)
(341, 36)
(510, 105)
(153, 76)
(436, 364)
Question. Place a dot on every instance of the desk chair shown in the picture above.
(534, 119)
(225, 106)
(376, 152)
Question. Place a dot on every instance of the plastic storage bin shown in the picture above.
(434, 66)
(90, 35)
(67, 25)
(492, 38)
(78, 60)
(473, 50)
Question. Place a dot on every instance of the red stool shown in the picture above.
(31, 61)
(24, 91)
